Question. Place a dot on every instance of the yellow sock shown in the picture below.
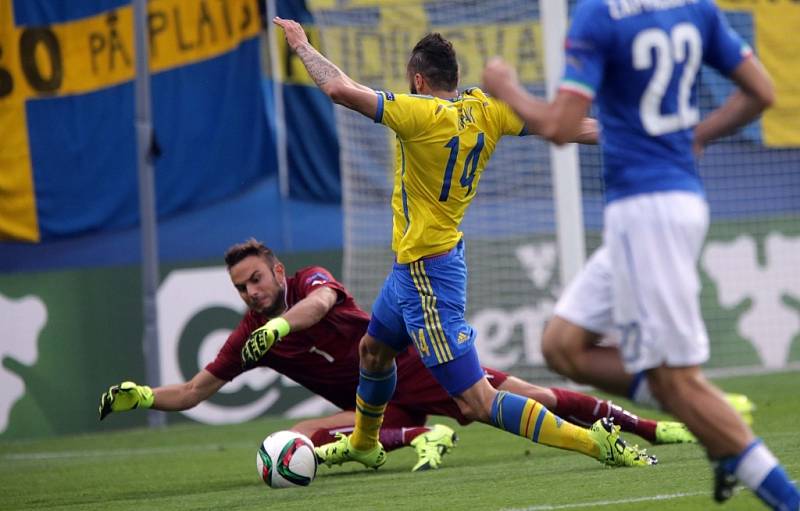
(527, 417)
(556, 432)
(368, 425)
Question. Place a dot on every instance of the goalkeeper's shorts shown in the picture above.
(424, 303)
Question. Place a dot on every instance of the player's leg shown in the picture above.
(446, 342)
(526, 417)
(399, 428)
(583, 315)
(585, 410)
(322, 430)
(378, 348)
(657, 240)
(731, 445)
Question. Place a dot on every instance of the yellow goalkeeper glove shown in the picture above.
(125, 396)
(262, 339)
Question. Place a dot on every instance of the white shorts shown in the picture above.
(642, 285)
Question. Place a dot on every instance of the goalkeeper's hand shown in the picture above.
(261, 340)
(125, 396)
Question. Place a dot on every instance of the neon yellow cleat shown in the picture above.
(614, 451)
(431, 446)
(742, 405)
(673, 433)
(339, 451)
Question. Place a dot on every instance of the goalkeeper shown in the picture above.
(308, 327)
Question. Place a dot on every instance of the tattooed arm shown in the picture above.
(330, 79)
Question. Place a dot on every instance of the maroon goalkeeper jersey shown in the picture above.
(324, 357)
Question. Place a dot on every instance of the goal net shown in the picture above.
(510, 229)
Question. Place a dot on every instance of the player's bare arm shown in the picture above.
(329, 78)
(182, 396)
(754, 95)
(311, 309)
(560, 122)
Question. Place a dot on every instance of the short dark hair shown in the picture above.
(435, 59)
(252, 246)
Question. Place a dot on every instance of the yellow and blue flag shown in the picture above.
(67, 138)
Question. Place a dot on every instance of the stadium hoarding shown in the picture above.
(67, 336)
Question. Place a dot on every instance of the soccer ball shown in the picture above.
(285, 459)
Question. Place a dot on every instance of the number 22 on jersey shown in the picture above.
(655, 48)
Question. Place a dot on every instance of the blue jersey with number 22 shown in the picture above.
(639, 60)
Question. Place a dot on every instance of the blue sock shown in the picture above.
(758, 469)
(377, 388)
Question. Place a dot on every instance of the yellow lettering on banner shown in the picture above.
(775, 23)
(88, 54)
(376, 55)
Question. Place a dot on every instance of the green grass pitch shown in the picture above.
(198, 467)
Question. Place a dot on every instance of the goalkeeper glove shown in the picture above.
(125, 396)
(262, 339)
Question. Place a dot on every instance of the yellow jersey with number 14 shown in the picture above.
(442, 148)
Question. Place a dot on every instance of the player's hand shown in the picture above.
(125, 396)
(498, 75)
(295, 35)
(261, 340)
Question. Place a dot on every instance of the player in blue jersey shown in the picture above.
(444, 139)
(639, 61)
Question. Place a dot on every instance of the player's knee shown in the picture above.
(556, 349)
(473, 411)
(375, 355)
(476, 402)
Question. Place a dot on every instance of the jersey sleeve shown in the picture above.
(588, 40)
(725, 49)
(312, 278)
(408, 115)
(507, 120)
(228, 363)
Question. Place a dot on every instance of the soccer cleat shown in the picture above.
(339, 451)
(431, 446)
(742, 405)
(724, 483)
(673, 433)
(616, 452)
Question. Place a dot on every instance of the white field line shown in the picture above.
(601, 503)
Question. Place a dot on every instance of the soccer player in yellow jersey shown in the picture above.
(444, 139)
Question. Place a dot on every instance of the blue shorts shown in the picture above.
(424, 302)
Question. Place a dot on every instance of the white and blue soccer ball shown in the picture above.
(286, 459)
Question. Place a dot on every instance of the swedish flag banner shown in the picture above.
(67, 140)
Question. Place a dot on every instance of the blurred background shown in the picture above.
(244, 145)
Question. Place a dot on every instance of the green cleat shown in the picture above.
(340, 451)
(614, 451)
(431, 446)
(673, 433)
(742, 405)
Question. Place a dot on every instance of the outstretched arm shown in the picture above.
(129, 396)
(562, 121)
(182, 396)
(329, 78)
(755, 94)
